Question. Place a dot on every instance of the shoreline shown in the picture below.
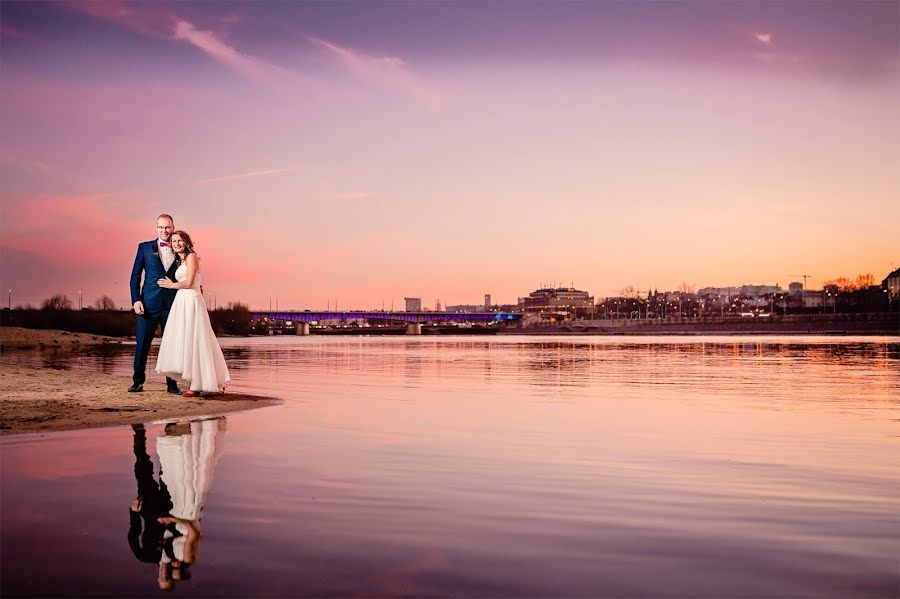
(37, 400)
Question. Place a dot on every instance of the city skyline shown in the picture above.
(448, 150)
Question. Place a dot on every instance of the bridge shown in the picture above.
(413, 320)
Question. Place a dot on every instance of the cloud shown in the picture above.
(158, 20)
(225, 54)
(32, 166)
(151, 19)
(765, 39)
(388, 72)
(69, 242)
(54, 243)
(69, 228)
(246, 175)
(8, 32)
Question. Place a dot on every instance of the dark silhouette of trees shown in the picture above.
(862, 281)
(57, 303)
(233, 319)
(104, 303)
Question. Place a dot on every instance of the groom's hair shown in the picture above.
(168, 216)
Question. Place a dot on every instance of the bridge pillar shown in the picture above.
(303, 328)
(414, 328)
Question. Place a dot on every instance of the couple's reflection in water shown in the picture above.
(165, 515)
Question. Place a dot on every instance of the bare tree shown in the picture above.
(105, 303)
(57, 302)
(687, 288)
(846, 284)
(630, 292)
(864, 281)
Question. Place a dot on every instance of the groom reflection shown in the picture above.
(171, 510)
(145, 531)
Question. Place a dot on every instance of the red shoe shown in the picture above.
(189, 394)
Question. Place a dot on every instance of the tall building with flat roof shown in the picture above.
(560, 299)
(413, 304)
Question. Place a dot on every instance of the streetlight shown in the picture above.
(80, 304)
(9, 300)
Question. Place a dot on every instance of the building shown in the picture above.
(727, 292)
(892, 283)
(413, 304)
(760, 290)
(487, 302)
(744, 291)
(795, 288)
(558, 300)
(463, 309)
(813, 299)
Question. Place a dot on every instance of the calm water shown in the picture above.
(488, 467)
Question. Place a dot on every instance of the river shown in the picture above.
(484, 467)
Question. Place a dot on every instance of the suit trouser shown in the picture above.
(146, 329)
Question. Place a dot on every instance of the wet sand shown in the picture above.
(42, 400)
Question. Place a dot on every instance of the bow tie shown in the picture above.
(163, 244)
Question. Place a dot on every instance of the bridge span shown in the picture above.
(390, 316)
(300, 321)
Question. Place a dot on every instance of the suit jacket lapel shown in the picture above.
(155, 246)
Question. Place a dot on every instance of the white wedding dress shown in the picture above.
(189, 349)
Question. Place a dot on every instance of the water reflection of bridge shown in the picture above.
(300, 321)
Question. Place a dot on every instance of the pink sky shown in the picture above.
(448, 151)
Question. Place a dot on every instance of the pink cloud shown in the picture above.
(68, 228)
(246, 175)
(766, 39)
(57, 243)
(8, 32)
(158, 20)
(225, 54)
(96, 102)
(151, 19)
(30, 165)
(388, 72)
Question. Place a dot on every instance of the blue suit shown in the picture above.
(157, 303)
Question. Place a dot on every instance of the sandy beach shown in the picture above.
(39, 400)
(20, 338)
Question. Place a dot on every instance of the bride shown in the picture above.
(189, 349)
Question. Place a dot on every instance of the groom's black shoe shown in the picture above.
(173, 389)
(135, 388)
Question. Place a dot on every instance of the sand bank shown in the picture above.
(17, 338)
(38, 400)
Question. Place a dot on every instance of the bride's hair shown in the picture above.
(188, 244)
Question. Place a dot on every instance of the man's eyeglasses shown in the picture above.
(158, 227)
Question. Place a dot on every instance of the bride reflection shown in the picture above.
(172, 510)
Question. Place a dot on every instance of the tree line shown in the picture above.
(61, 301)
(104, 318)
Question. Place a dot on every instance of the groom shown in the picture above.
(155, 259)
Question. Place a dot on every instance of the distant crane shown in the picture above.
(804, 278)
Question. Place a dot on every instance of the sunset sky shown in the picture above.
(369, 151)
